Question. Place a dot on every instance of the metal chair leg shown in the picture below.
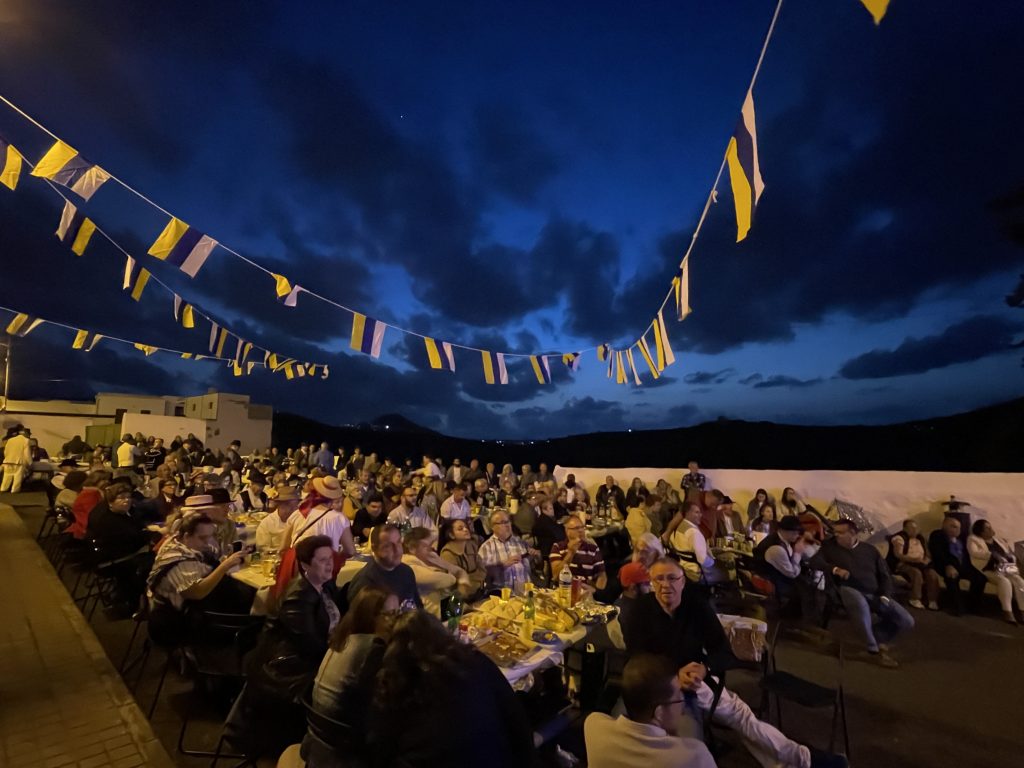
(160, 685)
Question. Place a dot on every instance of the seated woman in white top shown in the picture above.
(435, 577)
(994, 557)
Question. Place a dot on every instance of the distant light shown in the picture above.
(387, 426)
(629, 430)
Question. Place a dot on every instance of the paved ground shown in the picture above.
(61, 701)
(955, 701)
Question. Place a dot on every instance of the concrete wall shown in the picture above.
(233, 422)
(108, 403)
(166, 427)
(888, 498)
(52, 431)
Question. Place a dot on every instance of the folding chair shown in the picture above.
(778, 685)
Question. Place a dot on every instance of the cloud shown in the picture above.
(751, 379)
(511, 158)
(709, 377)
(790, 382)
(968, 340)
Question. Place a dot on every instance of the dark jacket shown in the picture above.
(302, 623)
(116, 534)
(692, 633)
(614, 497)
(942, 554)
(868, 572)
(547, 531)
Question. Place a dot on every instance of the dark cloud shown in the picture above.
(971, 339)
(510, 156)
(709, 377)
(577, 416)
(682, 415)
(790, 382)
(751, 379)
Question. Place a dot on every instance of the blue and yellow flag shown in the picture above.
(663, 348)
(367, 335)
(140, 284)
(63, 165)
(10, 165)
(494, 361)
(183, 312)
(146, 349)
(604, 352)
(86, 340)
(443, 358)
(646, 352)
(75, 228)
(632, 367)
(681, 290)
(541, 370)
(571, 360)
(745, 168)
(184, 247)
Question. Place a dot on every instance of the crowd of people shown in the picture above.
(374, 656)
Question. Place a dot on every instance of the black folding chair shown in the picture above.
(779, 685)
(331, 742)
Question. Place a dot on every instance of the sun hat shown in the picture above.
(328, 487)
(284, 493)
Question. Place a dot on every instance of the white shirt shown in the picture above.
(126, 455)
(417, 518)
(623, 743)
(431, 582)
(783, 559)
(432, 470)
(332, 524)
(17, 451)
(455, 511)
(688, 538)
(270, 531)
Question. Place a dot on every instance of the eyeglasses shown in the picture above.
(502, 522)
(671, 578)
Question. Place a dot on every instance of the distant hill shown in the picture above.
(989, 439)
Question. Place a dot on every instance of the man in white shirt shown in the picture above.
(455, 507)
(17, 461)
(430, 470)
(270, 532)
(128, 453)
(654, 732)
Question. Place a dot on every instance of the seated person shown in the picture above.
(638, 522)
(765, 520)
(994, 558)
(435, 577)
(506, 556)
(215, 504)
(456, 506)
(87, 499)
(908, 556)
(648, 549)
(635, 581)
(124, 541)
(952, 562)
(344, 684)
(509, 492)
(525, 517)
(294, 641)
(253, 497)
(186, 571)
(779, 558)
(688, 540)
(761, 498)
(387, 570)
(582, 557)
(430, 683)
(546, 529)
(270, 532)
(654, 732)
(370, 515)
(680, 623)
(408, 515)
(74, 481)
(866, 588)
(459, 548)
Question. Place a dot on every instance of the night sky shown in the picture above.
(525, 177)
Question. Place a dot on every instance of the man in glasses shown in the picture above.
(680, 624)
(506, 556)
(654, 732)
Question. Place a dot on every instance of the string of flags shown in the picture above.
(22, 324)
(189, 249)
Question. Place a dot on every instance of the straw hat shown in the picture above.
(328, 487)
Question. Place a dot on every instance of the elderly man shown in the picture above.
(583, 558)
(270, 532)
(455, 507)
(865, 588)
(687, 539)
(952, 562)
(17, 461)
(611, 496)
(409, 515)
(680, 624)
(908, 556)
(387, 570)
(506, 556)
(694, 482)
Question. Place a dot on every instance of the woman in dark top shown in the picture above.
(636, 494)
(438, 702)
(547, 530)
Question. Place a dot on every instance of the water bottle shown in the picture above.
(565, 587)
(529, 616)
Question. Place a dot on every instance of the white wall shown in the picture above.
(888, 498)
(109, 402)
(51, 431)
(166, 427)
(233, 423)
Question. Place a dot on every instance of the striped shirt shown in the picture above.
(187, 567)
(587, 563)
(494, 552)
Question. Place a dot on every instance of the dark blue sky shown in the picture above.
(525, 177)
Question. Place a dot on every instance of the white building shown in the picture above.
(216, 418)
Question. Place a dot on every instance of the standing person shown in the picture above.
(908, 556)
(694, 482)
(17, 461)
(865, 587)
(234, 455)
(128, 454)
(323, 459)
(953, 563)
(993, 557)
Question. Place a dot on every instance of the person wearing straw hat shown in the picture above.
(271, 530)
(318, 515)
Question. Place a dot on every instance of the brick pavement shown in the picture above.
(62, 703)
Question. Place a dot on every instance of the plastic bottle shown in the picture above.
(565, 587)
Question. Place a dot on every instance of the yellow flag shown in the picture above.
(146, 348)
(220, 342)
(10, 165)
(632, 366)
(620, 374)
(282, 286)
(877, 9)
(140, 284)
(646, 352)
(664, 350)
